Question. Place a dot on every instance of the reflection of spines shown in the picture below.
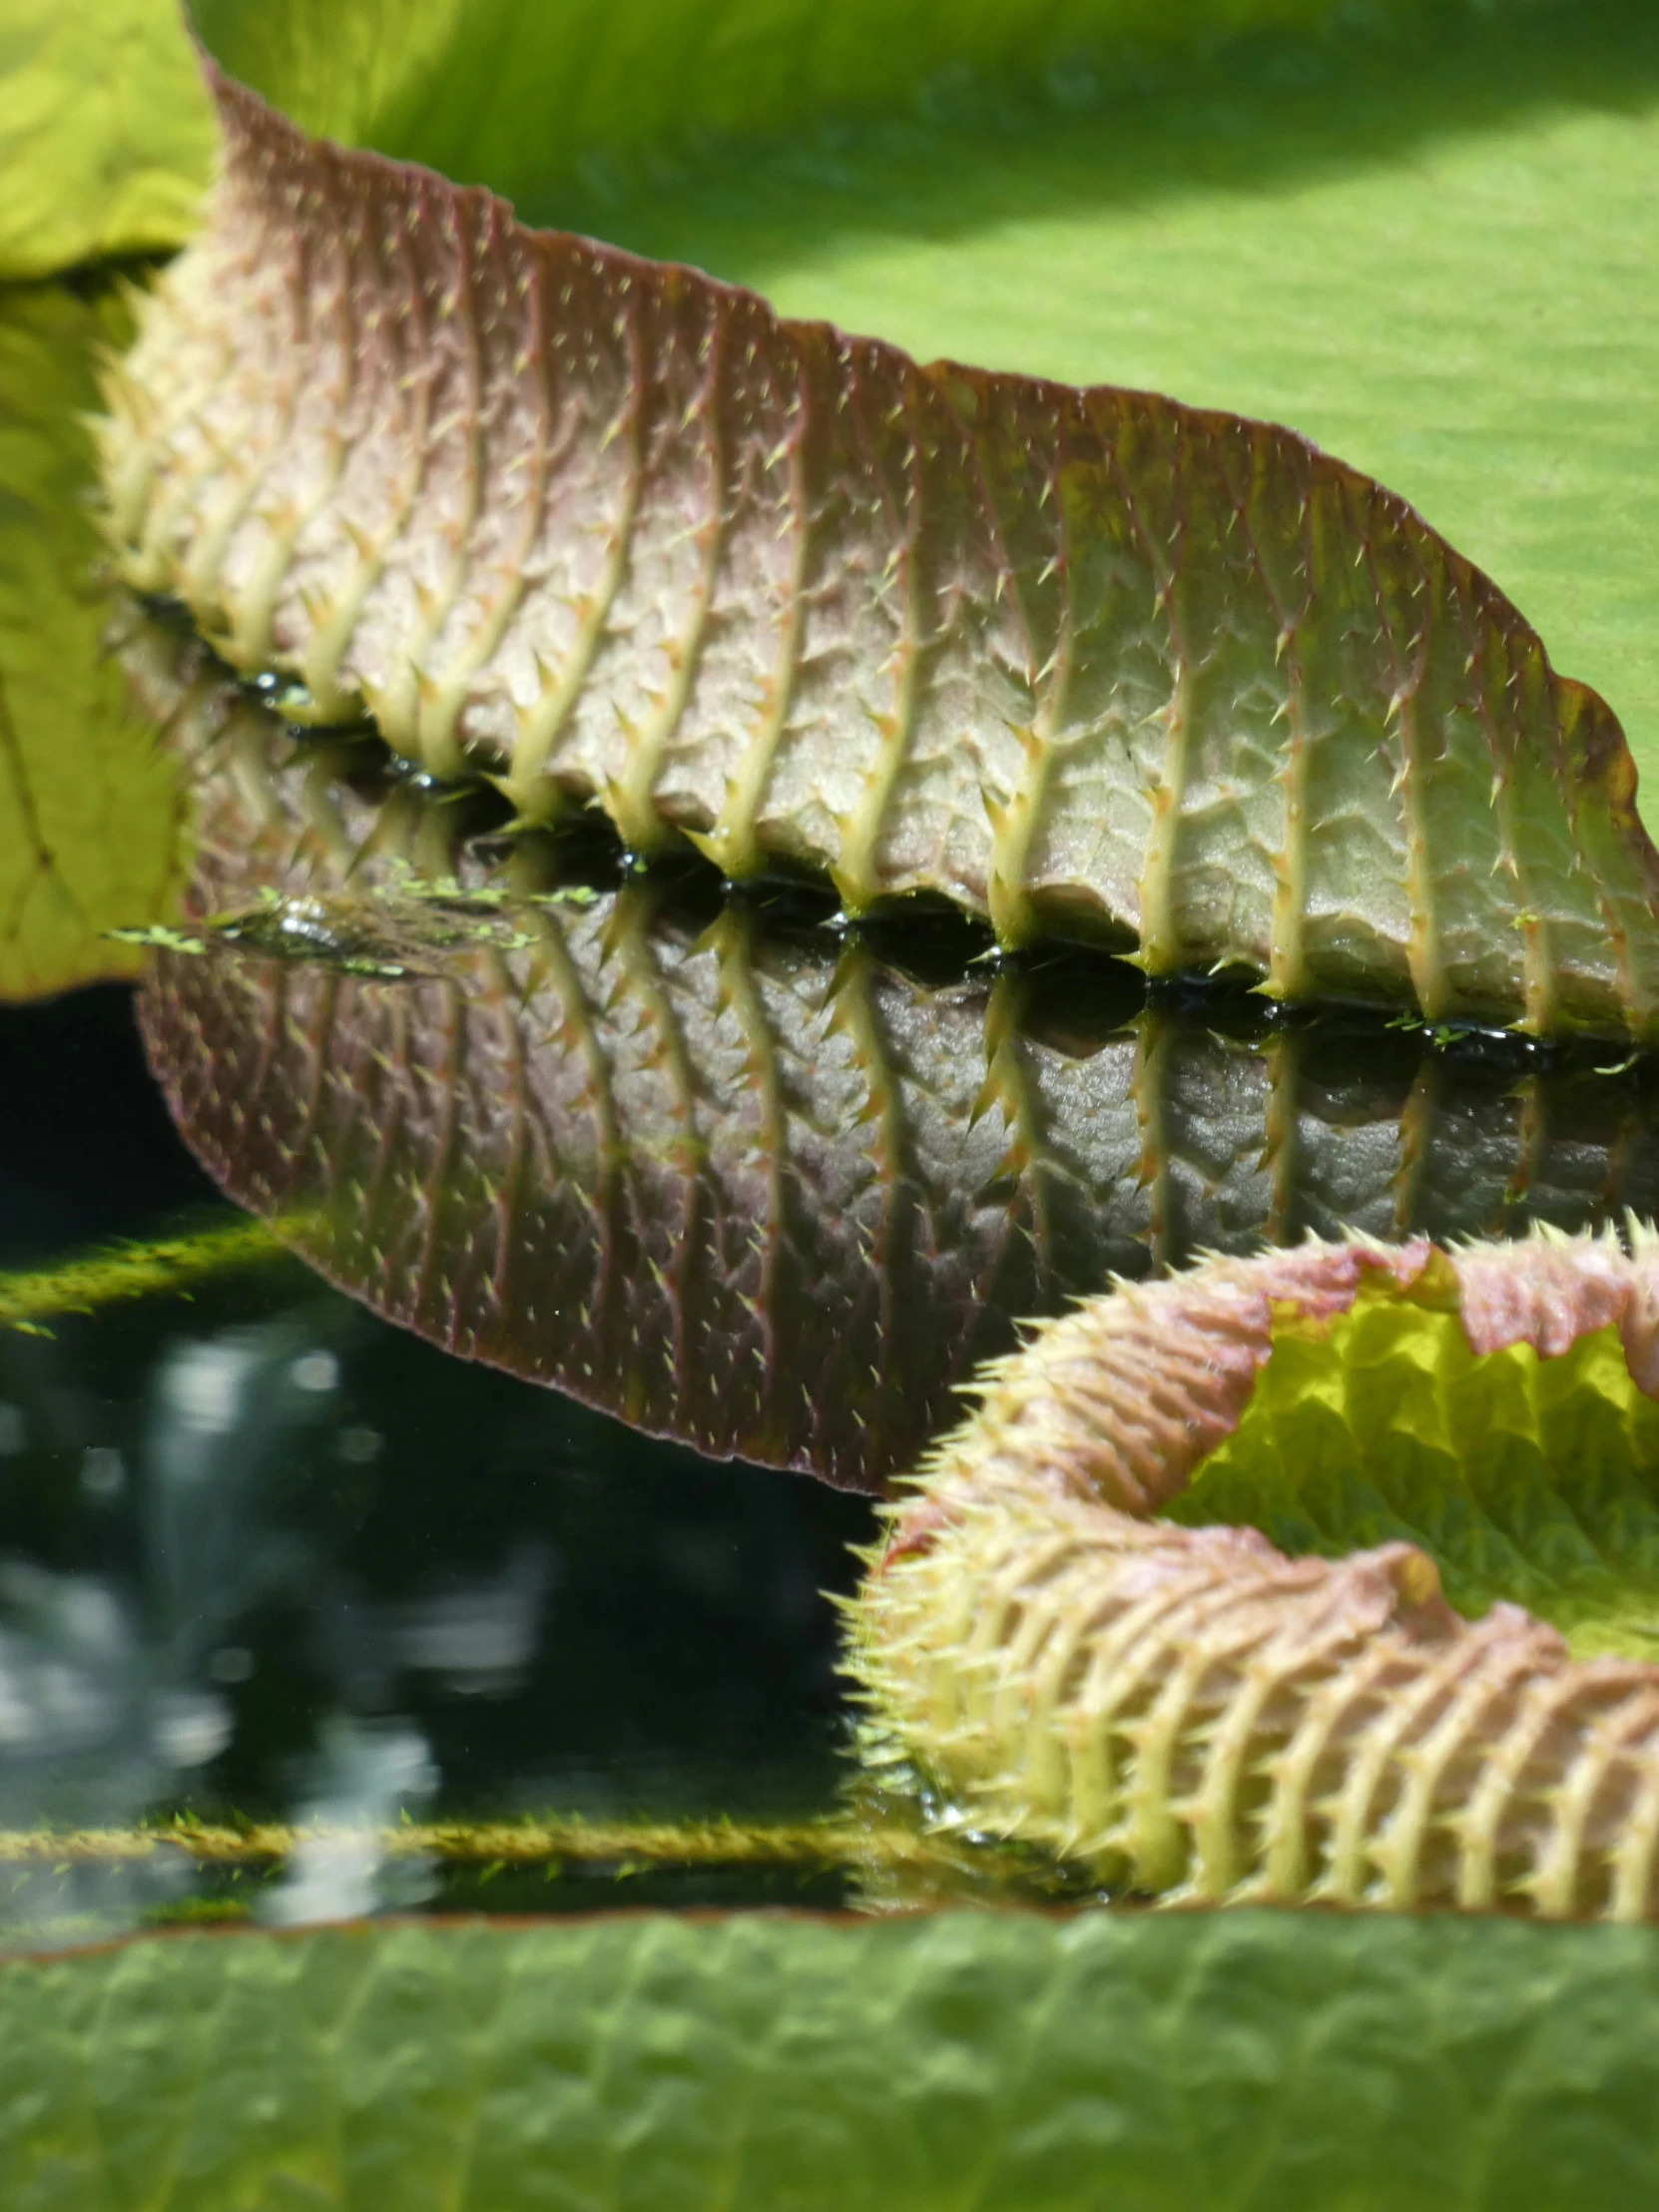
(899, 1208)
(1145, 1088)
(1026, 1164)
(1531, 1140)
(501, 1180)
(1619, 1186)
(1416, 1127)
(1279, 1135)
(767, 1233)
(549, 968)
(667, 1249)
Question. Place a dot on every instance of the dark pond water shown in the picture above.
(263, 1554)
(632, 1210)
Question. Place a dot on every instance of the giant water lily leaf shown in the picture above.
(1531, 1481)
(1189, 2063)
(1429, 253)
(730, 1175)
(105, 140)
(90, 836)
(1185, 1708)
(1086, 661)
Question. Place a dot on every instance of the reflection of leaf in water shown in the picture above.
(88, 829)
(1012, 2061)
(1087, 663)
(742, 1183)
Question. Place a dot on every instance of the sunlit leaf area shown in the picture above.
(620, 900)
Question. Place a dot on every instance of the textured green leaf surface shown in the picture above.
(1246, 2062)
(467, 86)
(106, 141)
(1527, 1480)
(88, 810)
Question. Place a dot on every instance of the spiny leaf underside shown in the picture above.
(749, 1187)
(1196, 1715)
(1086, 661)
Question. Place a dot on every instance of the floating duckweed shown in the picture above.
(164, 1265)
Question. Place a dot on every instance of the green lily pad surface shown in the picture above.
(467, 86)
(1249, 2061)
(105, 140)
(1535, 1480)
(89, 811)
